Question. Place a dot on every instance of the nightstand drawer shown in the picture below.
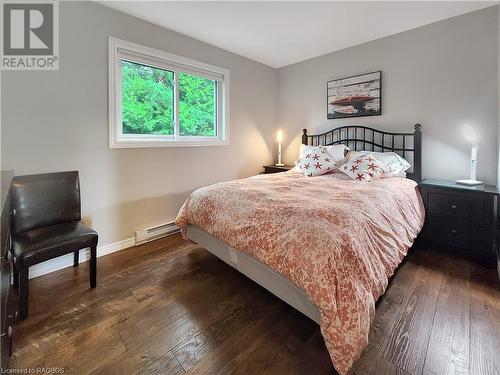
(457, 206)
(459, 235)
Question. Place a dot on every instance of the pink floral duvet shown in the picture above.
(337, 239)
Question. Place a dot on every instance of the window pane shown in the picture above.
(197, 105)
(147, 100)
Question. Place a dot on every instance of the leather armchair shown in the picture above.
(46, 223)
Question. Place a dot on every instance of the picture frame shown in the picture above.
(355, 96)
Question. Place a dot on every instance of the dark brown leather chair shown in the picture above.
(46, 223)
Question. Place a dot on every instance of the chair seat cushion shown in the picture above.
(41, 244)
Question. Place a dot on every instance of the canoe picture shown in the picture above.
(355, 96)
(350, 100)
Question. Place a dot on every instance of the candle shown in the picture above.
(279, 138)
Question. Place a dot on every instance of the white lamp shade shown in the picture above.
(469, 133)
(279, 136)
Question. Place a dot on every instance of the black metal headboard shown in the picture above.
(359, 138)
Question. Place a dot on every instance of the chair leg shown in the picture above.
(15, 275)
(23, 293)
(93, 266)
(76, 256)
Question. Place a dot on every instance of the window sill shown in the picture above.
(151, 143)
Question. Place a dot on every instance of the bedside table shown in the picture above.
(276, 169)
(462, 219)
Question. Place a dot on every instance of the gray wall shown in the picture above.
(441, 75)
(59, 121)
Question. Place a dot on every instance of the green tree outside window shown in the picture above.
(148, 102)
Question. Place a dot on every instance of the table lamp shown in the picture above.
(470, 136)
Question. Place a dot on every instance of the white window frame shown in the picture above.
(121, 49)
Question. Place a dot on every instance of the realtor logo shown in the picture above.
(30, 35)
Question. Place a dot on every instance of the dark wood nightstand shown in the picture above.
(462, 219)
(276, 169)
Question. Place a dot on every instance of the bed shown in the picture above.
(326, 245)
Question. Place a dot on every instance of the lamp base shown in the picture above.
(279, 164)
(469, 182)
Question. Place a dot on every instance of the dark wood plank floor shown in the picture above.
(170, 307)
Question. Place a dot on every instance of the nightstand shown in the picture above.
(276, 169)
(461, 219)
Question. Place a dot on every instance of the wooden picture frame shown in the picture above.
(355, 96)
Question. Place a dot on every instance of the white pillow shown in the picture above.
(396, 163)
(317, 161)
(365, 168)
(337, 152)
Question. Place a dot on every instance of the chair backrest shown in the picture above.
(44, 199)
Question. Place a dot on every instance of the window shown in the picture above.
(157, 99)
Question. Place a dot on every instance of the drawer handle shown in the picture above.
(453, 231)
(453, 206)
(13, 212)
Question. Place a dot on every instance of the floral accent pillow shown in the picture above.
(365, 168)
(396, 163)
(338, 152)
(317, 161)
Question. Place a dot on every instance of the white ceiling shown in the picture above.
(283, 33)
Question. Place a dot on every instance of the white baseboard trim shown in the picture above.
(67, 260)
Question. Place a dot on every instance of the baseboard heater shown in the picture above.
(156, 232)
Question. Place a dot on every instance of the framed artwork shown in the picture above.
(355, 96)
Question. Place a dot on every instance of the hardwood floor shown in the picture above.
(170, 307)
